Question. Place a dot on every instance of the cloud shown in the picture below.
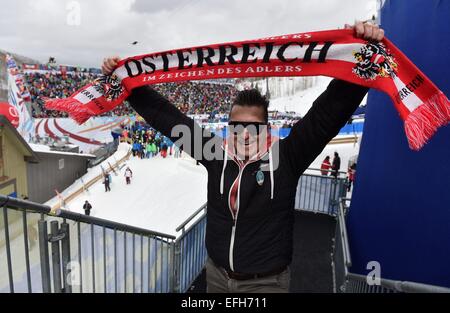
(154, 6)
(39, 29)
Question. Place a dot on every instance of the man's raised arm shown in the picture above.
(329, 113)
(163, 116)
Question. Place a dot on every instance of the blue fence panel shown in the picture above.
(192, 254)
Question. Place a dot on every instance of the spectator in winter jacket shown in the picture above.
(325, 166)
(169, 144)
(153, 149)
(351, 176)
(107, 181)
(138, 149)
(158, 143)
(128, 175)
(142, 152)
(148, 150)
(253, 177)
(336, 165)
(135, 148)
(163, 149)
(87, 208)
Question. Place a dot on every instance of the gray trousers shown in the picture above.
(217, 281)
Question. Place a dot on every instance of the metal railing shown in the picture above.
(190, 250)
(70, 252)
(328, 172)
(320, 193)
(341, 259)
(62, 251)
(345, 281)
(358, 284)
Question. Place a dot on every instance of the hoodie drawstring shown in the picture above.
(223, 169)
(272, 182)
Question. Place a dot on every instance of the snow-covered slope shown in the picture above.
(163, 193)
(302, 100)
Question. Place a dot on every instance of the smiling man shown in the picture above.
(252, 184)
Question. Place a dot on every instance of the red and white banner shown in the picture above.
(334, 53)
(18, 94)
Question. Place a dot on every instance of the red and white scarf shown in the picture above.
(335, 53)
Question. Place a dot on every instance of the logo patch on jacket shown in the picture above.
(260, 177)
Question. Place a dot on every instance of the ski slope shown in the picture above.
(163, 193)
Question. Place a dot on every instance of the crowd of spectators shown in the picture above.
(199, 98)
(189, 97)
(147, 142)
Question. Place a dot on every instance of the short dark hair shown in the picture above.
(252, 97)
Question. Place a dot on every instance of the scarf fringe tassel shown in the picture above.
(423, 122)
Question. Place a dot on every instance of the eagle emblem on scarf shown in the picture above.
(109, 86)
(373, 60)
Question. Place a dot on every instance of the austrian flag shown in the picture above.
(335, 53)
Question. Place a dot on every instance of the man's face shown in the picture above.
(248, 130)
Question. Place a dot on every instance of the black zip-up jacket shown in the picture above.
(259, 239)
(87, 206)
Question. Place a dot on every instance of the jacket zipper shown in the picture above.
(233, 229)
(233, 233)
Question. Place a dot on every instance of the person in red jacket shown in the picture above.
(326, 165)
(351, 176)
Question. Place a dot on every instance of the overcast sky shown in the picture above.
(43, 28)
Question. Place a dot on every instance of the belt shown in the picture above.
(244, 276)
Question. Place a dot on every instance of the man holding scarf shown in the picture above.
(252, 187)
